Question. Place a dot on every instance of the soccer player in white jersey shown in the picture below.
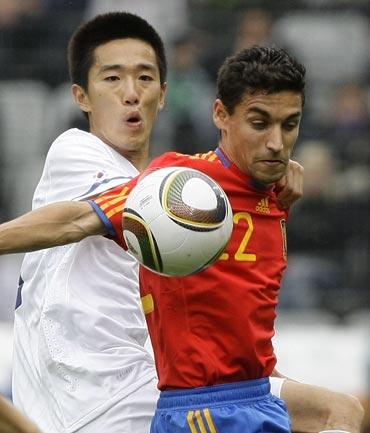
(80, 363)
(79, 357)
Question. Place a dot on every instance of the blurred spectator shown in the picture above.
(334, 45)
(255, 28)
(189, 99)
(34, 36)
(14, 17)
(349, 126)
(316, 233)
(169, 17)
(13, 11)
(328, 236)
(241, 29)
(60, 6)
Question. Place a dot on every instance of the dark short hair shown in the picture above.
(259, 69)
(105, 28)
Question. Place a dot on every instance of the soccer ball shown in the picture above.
(177, 221)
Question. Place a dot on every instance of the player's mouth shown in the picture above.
(133, 120)
(272, 162)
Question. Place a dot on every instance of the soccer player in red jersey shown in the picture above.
(212, 332)
(249, 271)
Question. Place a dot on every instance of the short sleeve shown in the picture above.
(80, 166)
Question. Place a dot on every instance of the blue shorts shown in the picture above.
(239, 407)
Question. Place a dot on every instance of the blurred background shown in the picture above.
(323, 331)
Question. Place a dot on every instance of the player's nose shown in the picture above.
(275, 140)
(130, 94)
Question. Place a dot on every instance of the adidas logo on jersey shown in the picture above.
(263, 206)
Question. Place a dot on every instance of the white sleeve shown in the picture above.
(79, 166)
(276, 385)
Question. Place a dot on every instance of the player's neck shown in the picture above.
(255, 183)
(139, 160)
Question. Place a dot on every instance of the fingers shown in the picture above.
(291, 184)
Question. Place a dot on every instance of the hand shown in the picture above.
(290, 187)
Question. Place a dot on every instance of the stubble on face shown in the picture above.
(259, 135)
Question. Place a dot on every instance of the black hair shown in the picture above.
(259, 69)
(105, 28)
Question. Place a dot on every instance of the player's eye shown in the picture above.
(146, 77)
(259, 124)
(289, 126)
(112, 78)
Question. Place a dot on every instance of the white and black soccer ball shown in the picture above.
(177, 221)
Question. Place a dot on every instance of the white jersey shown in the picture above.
(79, 330)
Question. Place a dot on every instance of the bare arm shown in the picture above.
(12, 421)
(53, 225)
(313, 408)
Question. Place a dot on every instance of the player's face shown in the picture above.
(124, 95)
(260, 134)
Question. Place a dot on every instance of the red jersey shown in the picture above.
(216, 326)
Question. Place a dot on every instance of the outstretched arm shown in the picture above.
(50, 226)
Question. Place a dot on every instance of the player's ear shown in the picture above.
(81, 98)
(220, 114)
(162, 97)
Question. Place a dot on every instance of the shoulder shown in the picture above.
(80, 165)
(199, 161)
(75, 143)
(77, 152)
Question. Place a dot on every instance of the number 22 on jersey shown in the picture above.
(241, 254)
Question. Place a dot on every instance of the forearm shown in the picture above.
(53, 225)
(12, 421)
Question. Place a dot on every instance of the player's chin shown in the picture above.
(269, 178)
(134, 142)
